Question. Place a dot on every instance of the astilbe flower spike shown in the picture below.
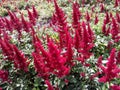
(76, 14)
(91, 33)
(60, 16)
(60, 25)
(102, 7)
(20, 61)
(8, 25)
(26, 25)
(35, 13)
(40, 67)
(15, 21)
(107, 18)
(69, 53)
(31, 17)
(77, 39)
(115, 30)
(105, 30)
(111, 70)
(96, 20)
(87, 16)
(7, 49)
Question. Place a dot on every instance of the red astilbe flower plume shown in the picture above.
(26, 25)
(15, 21)
(7, 49)
(9, 25)
(111, 70)
(77, 38)
(76, 14)
(60, 17)
(107, 18)
(3, 75)
(115, 30)
(87, 16)
(102, 7)
(105, 30)
(96, 20)
(20, 61)
(60, 25)
(69, 53)
(35, 13)
(91, 33)
(32, 18)
(41, 68)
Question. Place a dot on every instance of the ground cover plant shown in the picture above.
(61, 45)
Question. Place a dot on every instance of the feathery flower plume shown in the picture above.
(111, 70)
(31, 17)
(20, 61)
(35, 13)
(26, 25)
(96, 19)
(102, 7)
(7, 49)
(75, 15)
(8, 25)
(107, 18)
(115, 30)
(87, 16)
(60, 25)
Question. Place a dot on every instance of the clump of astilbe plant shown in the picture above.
(63, 64)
